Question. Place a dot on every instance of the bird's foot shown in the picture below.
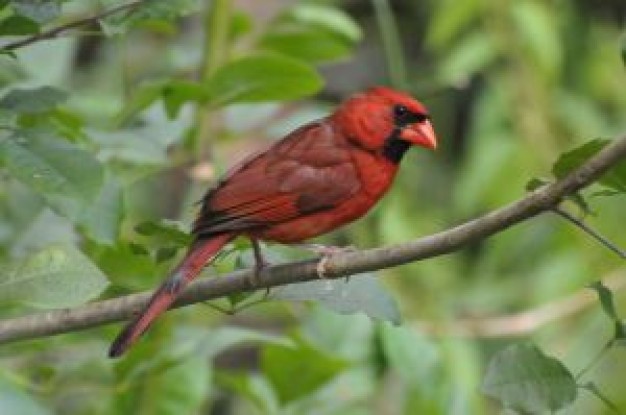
(254, 277)
(259, 264)
(326, 252)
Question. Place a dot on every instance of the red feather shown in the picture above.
(316, 179)
(199, 254)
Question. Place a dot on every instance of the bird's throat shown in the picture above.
(395, 147)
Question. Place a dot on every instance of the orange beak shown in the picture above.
(421, 134)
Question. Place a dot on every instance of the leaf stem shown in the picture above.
(595, 360)
(57, 31)
(591, 232)
(593, 389)
(216, 27)
(392, 44)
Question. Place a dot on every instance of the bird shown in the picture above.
(317, 178)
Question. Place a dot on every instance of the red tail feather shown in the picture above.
(198, 256)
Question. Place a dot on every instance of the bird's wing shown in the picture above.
(308, 171)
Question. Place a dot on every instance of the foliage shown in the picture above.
(614, 179)
(111, 126)
(54, 277)
(528, 381)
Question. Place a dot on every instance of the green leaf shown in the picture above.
(359, 294)
(329, 18)
(141, 98)
(137, 249)
(102, 218)
(182, 389)
(190, 341)
(149, 10)
(41, 11)
(250, 387)
(54, 277)
(535, 183)
(126, 267)
(574, 158)
(240, 25)
(450, 19)
(579, 200)
(158, 384)
(536, 27)
(615, 178)
(410, 354)
(606, 300)
(20, 209)
(68, 124)
(167, 388)
(67, 177)
(177, 93)
(608, 306)
(471, 55)
(295, 372)
(524, 379)
(174, 93)
(310, 44)
(17, 25)
(165, 232)
(140, 148)
(13, 400)
(261, 78)
(225, 338)
(32, 101)
(165, 253)
(312, 33)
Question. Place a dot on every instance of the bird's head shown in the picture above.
(387, 120)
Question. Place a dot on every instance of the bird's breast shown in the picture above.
(375, 172)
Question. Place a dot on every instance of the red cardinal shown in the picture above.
(321, 176)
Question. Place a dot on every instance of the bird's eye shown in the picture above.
(403, 116)
(400, 111)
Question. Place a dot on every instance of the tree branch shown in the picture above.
(341, 265)
(56, 31)
(523, 322)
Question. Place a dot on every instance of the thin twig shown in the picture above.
(338, 266)
(591, 232)
(523, 322)
(392, 44)
(598, 356)
(591, 388)
(217, 19)
(56, 31)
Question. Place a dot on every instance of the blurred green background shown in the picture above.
(115, 126)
